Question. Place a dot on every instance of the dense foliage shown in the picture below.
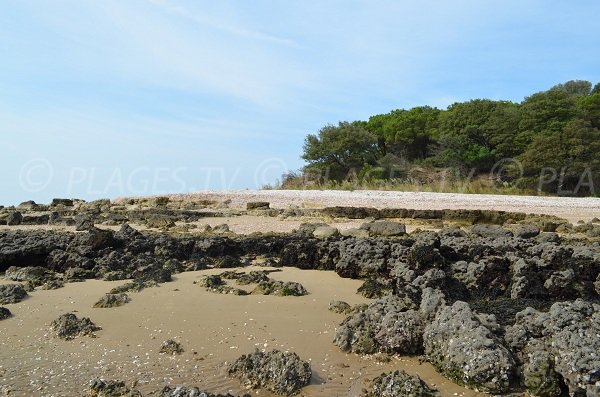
(552, 139)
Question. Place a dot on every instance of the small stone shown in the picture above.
(171, 347)
(112, 300)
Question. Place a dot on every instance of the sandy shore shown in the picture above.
(212, 328)
(571, 208)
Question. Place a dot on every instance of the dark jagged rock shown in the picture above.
(12, 293)
(74, 274)
(83, 223)
(4, 313)
(398, 383)
(257, 205)
(490, 231)
(34, 275)
(559, 348)
(462, 348)
(61, 201)
(133, 286)
(14, 218)
(280, 288)
(374, 289)
(351, 212)
(389, 324)
(111, 388)
(68, 327)
(276, 371)
(340, 307)
(171, 347)
(526, 231)
(112, 300)
(384, 228)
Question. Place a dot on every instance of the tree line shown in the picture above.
(552, 139)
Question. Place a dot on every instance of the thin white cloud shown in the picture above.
(226, 26)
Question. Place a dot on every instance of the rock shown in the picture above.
(280, 288)
(539, 375)
(384, 228)
(112, 300)
(308, 228)
(59, 201)
(29, 273)
(52, 284)
(14, 218)
(461, 348)
(398, 384)
(96, 238)
(257, 205)
(83, 223)
(68, 327)
(278, 372)
(160, 222)
(133, 286)
(355, 232)
(361, 258)
(4, 313)
(526, 231)
(401, 332)
(253, 277)
(12, 293)
(74, 274)
(425, 252)
(220, 229)
(364, 331)
(340, 307)
(161, 201)
(324, 232)
(490, 231)
(171, 347)
(373, 289)
(568, 333)
(29, 205)
(432, 301)
(111, 388)
(559, 284)
(351, 212)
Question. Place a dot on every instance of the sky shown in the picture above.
(138, 97)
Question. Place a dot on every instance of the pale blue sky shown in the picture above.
(113, 98)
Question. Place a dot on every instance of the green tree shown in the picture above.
(566, 160)
(589, 107)
(544, 113)
(574, 87)
(338, 150)
(468, 132)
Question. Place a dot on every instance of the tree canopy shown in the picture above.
(557, 128)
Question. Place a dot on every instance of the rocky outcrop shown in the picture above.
(391, 324)
(112, 300)
(12, 293)
(111, 388)
(559, 348)
(398, 383)
(280, 288)
(276, 371)
(171, 347)
(4, 313)
(462, 348)
(68, 327)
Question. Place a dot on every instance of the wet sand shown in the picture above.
(213, 329)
